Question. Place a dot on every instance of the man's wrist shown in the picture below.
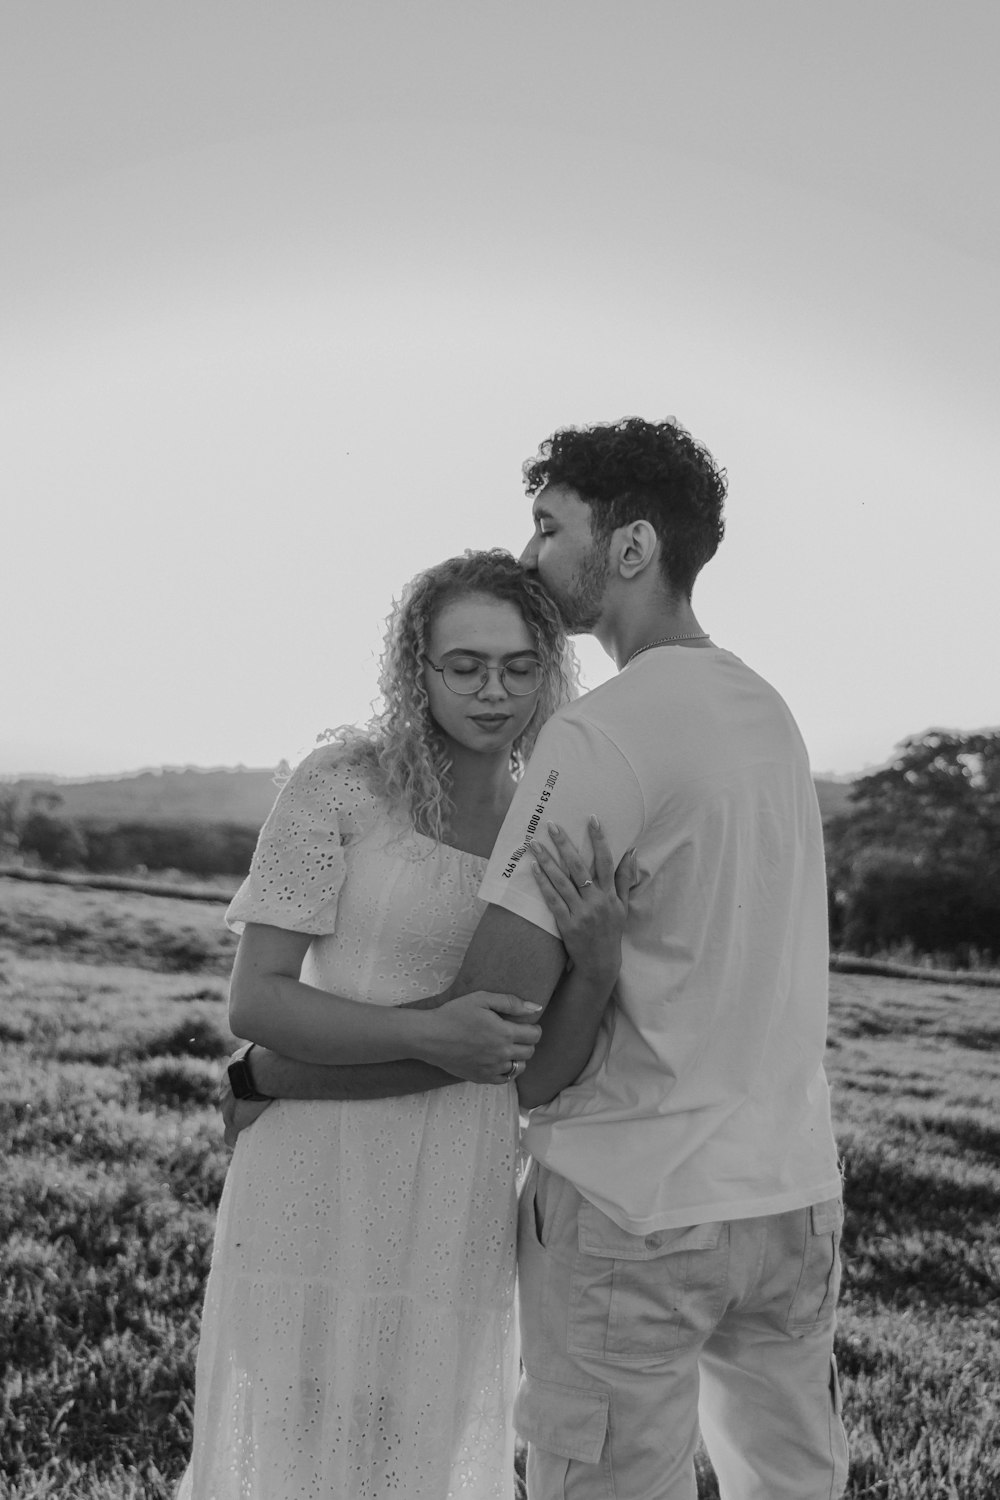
(242, 1082)
(266, 1072)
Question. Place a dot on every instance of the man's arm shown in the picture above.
(511, 954)
(502, 943)
(286, 1078)
(505, 949)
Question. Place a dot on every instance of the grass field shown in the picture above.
(112, 1024)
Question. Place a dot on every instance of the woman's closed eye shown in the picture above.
(525, 667)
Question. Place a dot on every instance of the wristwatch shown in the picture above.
(241, 1079)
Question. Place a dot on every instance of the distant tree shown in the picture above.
(940, 796)
(937, 908)
(47, 802)
(917, 858)
(108, 848)
(195, 848)
(54, 840)
(8, 821)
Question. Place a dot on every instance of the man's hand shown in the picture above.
(478, 1036)
(237, 1114)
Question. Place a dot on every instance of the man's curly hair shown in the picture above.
(403, 751)
(635, 470)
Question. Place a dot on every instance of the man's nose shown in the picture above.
(529, 557)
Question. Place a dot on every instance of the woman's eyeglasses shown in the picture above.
(466, 675)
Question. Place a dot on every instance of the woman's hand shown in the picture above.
(589, 903)
(482, 1037)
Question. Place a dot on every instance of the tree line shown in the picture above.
(44, 834)
(915, 861)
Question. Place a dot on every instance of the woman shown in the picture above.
(358, 1337)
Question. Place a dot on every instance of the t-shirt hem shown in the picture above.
(718, 1210)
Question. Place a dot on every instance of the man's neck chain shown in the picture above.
(666, 640)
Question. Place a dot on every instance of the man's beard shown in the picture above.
(580, 605)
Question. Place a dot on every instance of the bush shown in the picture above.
(54, 840)
(196, 848)
(895, 898)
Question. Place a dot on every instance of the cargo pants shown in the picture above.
(630, 1343)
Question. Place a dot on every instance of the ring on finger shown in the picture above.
(585, 884)
(512, 1072)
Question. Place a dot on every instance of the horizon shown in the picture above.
(8, 778)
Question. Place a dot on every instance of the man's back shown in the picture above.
(705, 1098)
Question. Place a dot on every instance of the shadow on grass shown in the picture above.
(975, 1038)
(895, 1193)
(914, 1236)
(192, 1036)
(173, 1083)
(969, 1134)
(851, 1025)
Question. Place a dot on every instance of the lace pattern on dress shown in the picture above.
(358, 1337)
(298, 865)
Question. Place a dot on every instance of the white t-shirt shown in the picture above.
(705, 1097)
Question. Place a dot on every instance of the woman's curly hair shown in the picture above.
(403, 750)
(635, 470)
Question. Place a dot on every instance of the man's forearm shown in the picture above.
(284, 1078)
(569, 1032)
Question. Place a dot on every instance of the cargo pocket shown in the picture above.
(815, 1297)
(635, 1298)
(567, 1420)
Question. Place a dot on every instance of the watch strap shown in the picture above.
(241, 1079)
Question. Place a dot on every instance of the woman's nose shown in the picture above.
(493, 688)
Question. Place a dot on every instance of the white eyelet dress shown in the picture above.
(358, 1338)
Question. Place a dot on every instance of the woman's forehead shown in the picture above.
(478, 622)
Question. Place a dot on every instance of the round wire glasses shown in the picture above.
(465, 675)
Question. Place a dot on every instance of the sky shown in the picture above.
(289, 291)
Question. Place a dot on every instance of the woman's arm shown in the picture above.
(589, 907)
(475, 1038)
(590, 922)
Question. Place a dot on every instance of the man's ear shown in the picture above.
(637, 546)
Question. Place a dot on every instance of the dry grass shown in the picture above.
(114, 1163)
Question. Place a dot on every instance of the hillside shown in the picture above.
(164, 795)
(222, 795)
(833, 796)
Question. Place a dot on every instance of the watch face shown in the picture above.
(240, 1081)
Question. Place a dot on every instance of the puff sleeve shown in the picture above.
(298, 867)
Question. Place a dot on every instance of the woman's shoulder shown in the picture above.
(333, 783)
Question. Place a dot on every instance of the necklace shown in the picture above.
(666, 640)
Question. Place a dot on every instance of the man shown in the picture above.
(680, 1226)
